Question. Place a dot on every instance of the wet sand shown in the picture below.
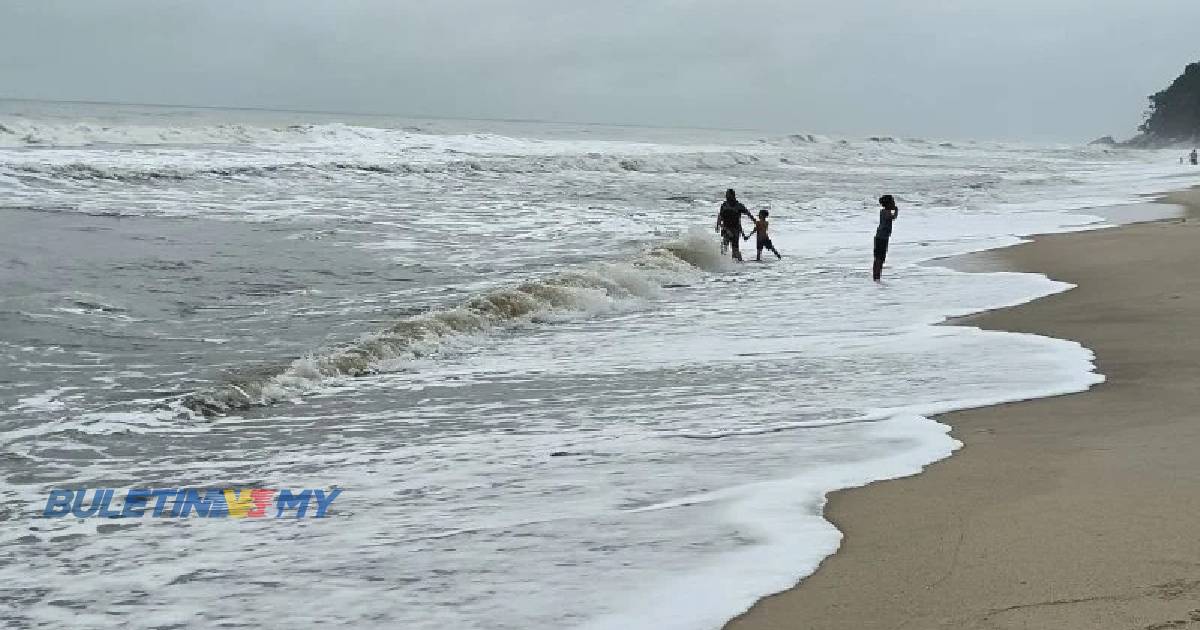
(1073, 512)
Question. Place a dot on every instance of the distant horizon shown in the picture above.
(1068, 71)
(285, 110)
(630, 125)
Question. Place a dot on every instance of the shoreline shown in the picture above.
(1072, 511)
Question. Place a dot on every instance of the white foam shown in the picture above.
(637, 431)
(598, 289)
(46, 401)
(785, 517)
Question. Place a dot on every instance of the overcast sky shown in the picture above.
(1044, 69)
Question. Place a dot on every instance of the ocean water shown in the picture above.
(547, 398)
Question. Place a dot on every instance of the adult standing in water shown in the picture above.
(887, 213)
(729, 223)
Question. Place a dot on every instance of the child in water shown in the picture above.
(764, 240)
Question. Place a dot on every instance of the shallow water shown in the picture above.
(547, 398)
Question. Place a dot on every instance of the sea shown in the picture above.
(547, 398)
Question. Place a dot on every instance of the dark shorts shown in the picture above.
(881, 245)
(731, 236)
(764, 243)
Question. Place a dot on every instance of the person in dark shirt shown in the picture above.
(1193, 157)
(763, 240)
(887, 213)
(729, 223)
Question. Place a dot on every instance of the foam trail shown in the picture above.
(588, 292)
(678, 448)
(385, 165)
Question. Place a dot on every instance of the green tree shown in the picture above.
(1174, 113)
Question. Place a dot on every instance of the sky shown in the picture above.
(1007, 69)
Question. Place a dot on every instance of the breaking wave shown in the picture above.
(587, 292)
(664, 163)
(31, 133)
(796, 139)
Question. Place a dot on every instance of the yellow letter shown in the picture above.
(239, 502)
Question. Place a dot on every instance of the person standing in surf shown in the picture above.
(764, 240)
(887, 213)
(729, 223)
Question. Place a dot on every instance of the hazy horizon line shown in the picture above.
(379, 114)
(289, 110)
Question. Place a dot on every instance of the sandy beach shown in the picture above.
(1077, 511)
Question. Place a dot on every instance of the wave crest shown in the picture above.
(588, 292)
(664, 163)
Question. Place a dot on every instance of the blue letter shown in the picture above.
(58, 503)
(160, 501)
(219, 509)
(192, 500)
(77, 507)
(288, 501)
(135, 503)
(104, 511)
(323, 502)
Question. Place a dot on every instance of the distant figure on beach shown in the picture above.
(887, 213)
(729, 223)
(1193, 157)
(762, 240)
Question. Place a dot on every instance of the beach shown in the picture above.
(1075, 511)
(503, 344)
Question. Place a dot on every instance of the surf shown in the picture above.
(591, 291)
